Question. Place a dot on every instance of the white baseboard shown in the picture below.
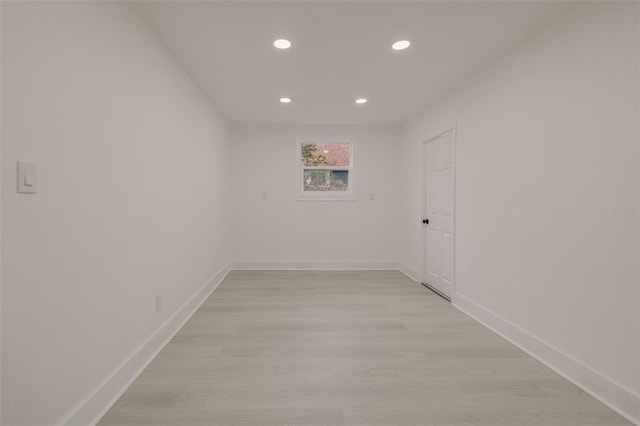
(313, 265)
(91, 410)
(614, 395)
(409, 272)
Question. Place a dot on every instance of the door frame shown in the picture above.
(452, 128)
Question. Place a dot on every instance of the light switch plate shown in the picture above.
(27, 178)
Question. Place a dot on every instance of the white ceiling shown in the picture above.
(341, 50)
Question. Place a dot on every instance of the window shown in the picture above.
(325, 169)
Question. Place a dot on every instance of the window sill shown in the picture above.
(323, 197)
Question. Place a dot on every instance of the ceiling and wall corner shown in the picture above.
(547, 197)
(132, 204)
(78, 109)
(340, 51)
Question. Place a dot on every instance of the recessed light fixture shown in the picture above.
(285, 100)
(361, 101)
(401, 45)
(282, 43)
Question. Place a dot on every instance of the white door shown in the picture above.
(438, 213)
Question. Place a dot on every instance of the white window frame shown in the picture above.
(301, 194)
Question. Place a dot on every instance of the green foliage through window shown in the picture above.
(326, 180)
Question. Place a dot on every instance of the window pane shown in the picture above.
(326, 180)
(326, 154)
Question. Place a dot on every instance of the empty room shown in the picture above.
(320, 213)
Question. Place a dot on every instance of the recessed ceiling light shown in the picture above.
(285, 100)
(361, 101)
(282, 43)
(401, 45)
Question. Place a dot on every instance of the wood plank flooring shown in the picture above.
(345, 348)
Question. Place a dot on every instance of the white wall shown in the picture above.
(133, 199)
(283, 232)
(547, 147)
(132, 202)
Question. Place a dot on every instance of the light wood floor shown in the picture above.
(345, 348)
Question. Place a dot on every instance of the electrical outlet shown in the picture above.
(158, 302)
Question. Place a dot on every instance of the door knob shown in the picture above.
(425, 221)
